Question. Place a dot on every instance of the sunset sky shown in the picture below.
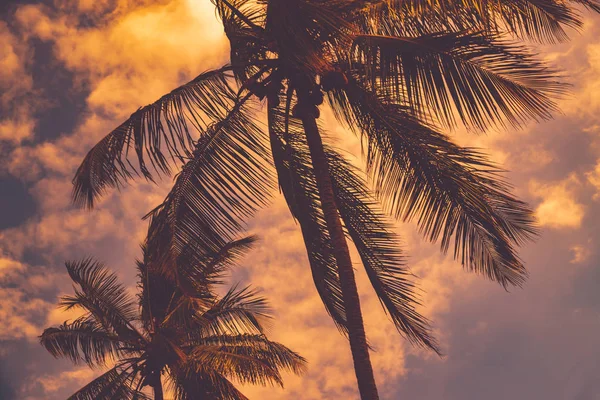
(71, 70)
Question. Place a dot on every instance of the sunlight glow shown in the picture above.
(204, 12)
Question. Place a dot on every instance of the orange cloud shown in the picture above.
(558, 208)
(581, 253)
(76, 377)
(17, 123)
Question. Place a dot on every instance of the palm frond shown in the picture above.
(592, 5)
(81, 341)
(244, 29)
(100, 293)
(177, 301)
(226, 180)
(221, 261)
(452, 191)
(155, 292)
(482, 79)
(189, 384)
(388, 19)
(160, 133)
(539, 20)
(247, 358)
(239, 311)
(297, 182)
(379, 249)
(116, 383)
(198, 280)
(236, 13)
(542, 20)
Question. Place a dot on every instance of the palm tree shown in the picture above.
(184, 335)
(397, 72)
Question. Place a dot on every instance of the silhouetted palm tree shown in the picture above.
(186, 334)
(396, 72)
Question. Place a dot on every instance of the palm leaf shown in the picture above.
(189, 384)
(388, 19)
(159, 132)
(238, 311)
(297, 182)
(379, 249)
(210, 273)
(81, 341)
(114, 384)
(452, 191)
(484, 80)
(592, 5)
(247, 358)
(176, 301)
(100, 293)
(226, 181)
(246, 38)
(540, 20)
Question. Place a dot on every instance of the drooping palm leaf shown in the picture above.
(160, 134)
(296, 181)
(226, 180)
(593, 5)
(453, 192)
(379, 249)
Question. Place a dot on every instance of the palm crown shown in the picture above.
(397, 73)
(195, 338)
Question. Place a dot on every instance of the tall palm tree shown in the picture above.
(184, 335)
(397, 72)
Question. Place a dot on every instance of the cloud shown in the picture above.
(28, 298)
(9, 267)
(593, 178)
(16, 85)
(75, 377)
(127, 61)
(21, 315)
(581, 253)
(558, 208)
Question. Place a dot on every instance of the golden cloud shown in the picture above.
(17, 123)
(558, 208)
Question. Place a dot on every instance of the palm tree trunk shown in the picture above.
(158, 390)
(356, 329)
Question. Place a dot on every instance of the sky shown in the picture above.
(71, 70)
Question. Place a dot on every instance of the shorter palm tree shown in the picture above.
(178, 332)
